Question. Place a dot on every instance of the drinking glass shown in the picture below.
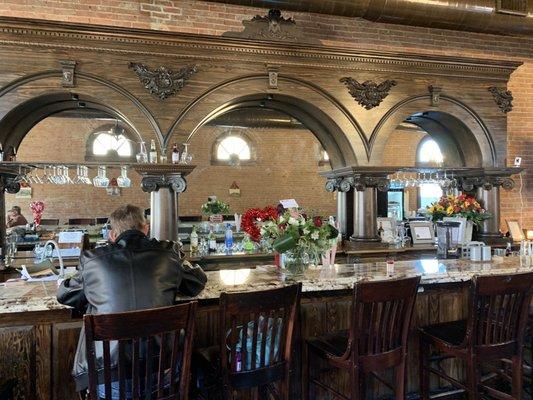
(123, 180)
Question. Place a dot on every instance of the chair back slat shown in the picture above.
(256, 331)
(498, 310)
(122, 369)
(381, 315)
(141, 354)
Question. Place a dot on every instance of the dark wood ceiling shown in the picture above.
(487, 16)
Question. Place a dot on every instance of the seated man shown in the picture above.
(134, 272)
(15, 218)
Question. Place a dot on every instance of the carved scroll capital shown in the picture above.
(162, 82)
(9, 184)
(152, 183)
(368, 94)
(487, 183)
(503, 98)
(359, 183)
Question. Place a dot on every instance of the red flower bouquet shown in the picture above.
(37, 209)
(253, 216)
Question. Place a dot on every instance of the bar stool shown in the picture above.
(376, 341)
(494, 331)
(150, 351)
(255, 342)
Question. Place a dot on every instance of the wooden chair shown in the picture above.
(151, 350)
(494, 331)
(376, 341)
(256, 337)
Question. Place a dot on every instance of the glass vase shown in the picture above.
(296, 262)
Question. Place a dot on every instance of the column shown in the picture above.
(490, 200)
(365, 209)
(360, 189)
(487, 187)
(164, 183)
(7, 184)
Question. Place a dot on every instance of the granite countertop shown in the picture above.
(40, 296)
(343, 277)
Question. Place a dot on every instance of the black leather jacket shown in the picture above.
(134, 273)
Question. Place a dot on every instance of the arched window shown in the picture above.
(232, 149)
(429, 153)
(110, 143)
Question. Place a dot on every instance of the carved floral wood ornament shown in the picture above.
(272, 26)
(503, 98)
(162, 82)
(368, 94)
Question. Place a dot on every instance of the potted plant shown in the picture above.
(215, 209)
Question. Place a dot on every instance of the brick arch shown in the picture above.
(21, 119)
(332, 124)
(463, 137)
(40, 99)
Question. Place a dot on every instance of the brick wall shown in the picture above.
(286, 166)
(214, 19)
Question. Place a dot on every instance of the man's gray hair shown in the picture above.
(126, 218)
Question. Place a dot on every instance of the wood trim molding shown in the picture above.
(69, 36)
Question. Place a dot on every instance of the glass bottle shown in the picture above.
(175, 154)
(194, 240)
(1, 152)
(142, 156)
(212, 239)
(229, 238)
(153, 152)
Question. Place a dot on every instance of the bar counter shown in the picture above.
(38, 336)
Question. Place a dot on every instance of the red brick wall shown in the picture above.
(286, 166)
(214, 19)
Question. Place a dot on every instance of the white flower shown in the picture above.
(293, 221)
(315, 236)
(306, 231)
(281, 219)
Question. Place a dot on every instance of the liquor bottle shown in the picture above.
(380, 231)
(153, 152)
(212, 239)
(194, 241)
(175, 154)
(229, 238)
(1, 153)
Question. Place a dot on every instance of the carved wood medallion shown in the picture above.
(162, 82)
(503, 98)
(368, 94)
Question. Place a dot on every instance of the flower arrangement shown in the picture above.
(251, 218)
(295, 232)
(215, 207)
(458, 206)
(37, 209)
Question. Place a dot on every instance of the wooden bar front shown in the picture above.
(38, 336)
